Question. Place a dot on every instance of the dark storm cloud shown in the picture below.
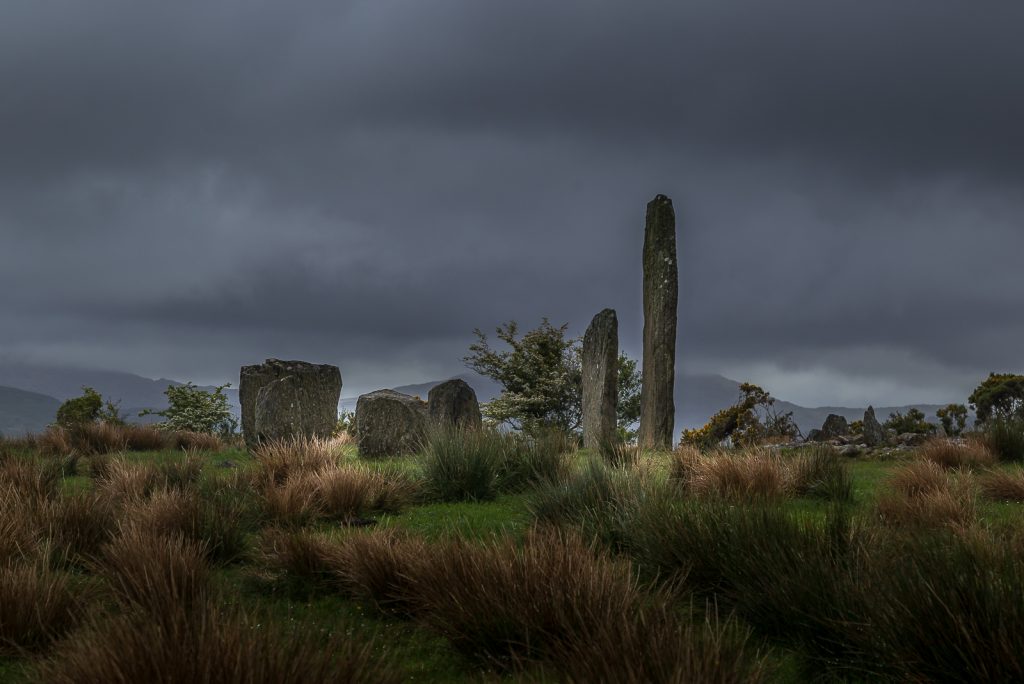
(366, 182)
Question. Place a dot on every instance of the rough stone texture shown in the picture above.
(815, 436)
(314, 391)
(600, 381)
(849, 450)
(453, 403)
(389, 423)
(661, 296)
(911, 438)
(834, 426)
(874, 433)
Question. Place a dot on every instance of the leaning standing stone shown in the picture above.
(304, 406)
(600, 381)
(453, 403)
(389, 423)
(661, 295)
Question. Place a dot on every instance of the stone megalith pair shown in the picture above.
(389, 423)
(286, 399)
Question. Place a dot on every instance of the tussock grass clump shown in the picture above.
(123, 481)
(32, 479)
(1002, 485)
(157, 573)
(184, 440)
(569, 501)
(37, 606)
(301, 558)
(819, 474)
(919, 477)
(1005, 438)
(381, 566)
(278, 459)
(78, 525)
(464, 464)
(19, 528)
(954, 507)
(211, 644)
(751, 474)
(529, 459)
(969, 454)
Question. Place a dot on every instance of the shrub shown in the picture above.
(819, 474)
(36, 606)
(913, 422)
(80, 410)
(463, 464)
(949, 454)
(211, 644)
(191, 409)
(1005, 438)
(1002, 485)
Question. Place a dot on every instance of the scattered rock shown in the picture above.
(600, 381)
(874, 434)
(389, 423)
(453, 403)
(911, 439)
(320, 391)
(815, 436)
(834, 426)
(849, 450)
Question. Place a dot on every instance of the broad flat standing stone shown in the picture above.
(834, 426)
(661, 296)
(453, 403)
(600, 381)
(389, 423)
(308, 402)
(874, 433)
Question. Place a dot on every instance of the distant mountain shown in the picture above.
(134, 392)
(24, 412)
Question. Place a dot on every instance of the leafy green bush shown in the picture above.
(913, 422)
(195, 410)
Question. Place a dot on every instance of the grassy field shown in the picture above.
(497, 558)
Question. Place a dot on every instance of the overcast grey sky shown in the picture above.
(189, 186)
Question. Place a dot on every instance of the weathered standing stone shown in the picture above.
(874, 433)
(453, 403)
(834, 426)
(815, 436)
(661, 295)
(313, 392)
(600, 380)
(389, 423)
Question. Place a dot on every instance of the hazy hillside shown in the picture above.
(23, 412)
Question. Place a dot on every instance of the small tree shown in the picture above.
(541, 377)
(80, 410)
(914, 422)
(1000, 396)
(195, 410)
(953, 418)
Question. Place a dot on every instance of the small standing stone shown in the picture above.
(389, 423)
(454, 403)
(600, 381)
(834, 426)
(661, 296)
(874, 433)
(305, 405)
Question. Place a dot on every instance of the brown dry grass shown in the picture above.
(919, 477)
(750, 474)
(969, 454)
(78, 525)
(1002, 485)
(207, 644)
(194, 441)
(37, 606)
(928, 503)
(281, 458)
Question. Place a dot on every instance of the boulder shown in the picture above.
(874, 433)
(453, 403)
(599, 388)
(834, 426)
(305, 405)
(815, 436)
(911, 438)
(849, 450)
(389, 423)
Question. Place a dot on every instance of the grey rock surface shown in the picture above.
(389, 423)
(834, 426)
(453, 403)
(305, 405)
(661, 297)
(600, 381)
(874, 434)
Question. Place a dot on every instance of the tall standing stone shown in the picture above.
(305, 404)
(453, 403)
(600, 380)
(661, 296)
(389, 423)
